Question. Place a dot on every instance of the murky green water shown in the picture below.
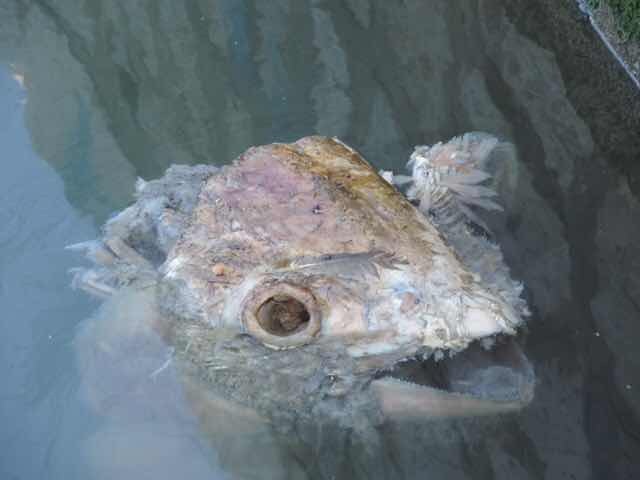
(94, 94)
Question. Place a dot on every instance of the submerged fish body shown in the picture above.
(297, 282)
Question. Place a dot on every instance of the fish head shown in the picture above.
(298, 272)
(304, 242)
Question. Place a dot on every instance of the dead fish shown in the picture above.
(298, 274)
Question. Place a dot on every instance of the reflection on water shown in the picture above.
(115, 90)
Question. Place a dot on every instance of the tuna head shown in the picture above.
(298, 273)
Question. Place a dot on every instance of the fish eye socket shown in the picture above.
(281, 315)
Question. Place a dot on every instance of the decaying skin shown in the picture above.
(299, 282)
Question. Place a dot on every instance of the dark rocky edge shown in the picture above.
(624, 45)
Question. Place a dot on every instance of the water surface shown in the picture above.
(95, 94)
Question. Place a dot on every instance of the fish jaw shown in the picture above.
(477, 382)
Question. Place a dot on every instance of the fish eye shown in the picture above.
(281, 315)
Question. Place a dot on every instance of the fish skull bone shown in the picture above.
(310, 227)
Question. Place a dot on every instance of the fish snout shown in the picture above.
(485, 315)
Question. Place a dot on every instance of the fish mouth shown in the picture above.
(474, 382)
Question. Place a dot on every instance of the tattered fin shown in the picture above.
(89, 281)
(402, 179)
(141, 184)
(473, 176)
(126, 253)
(471, 216)
(482, 149)
(94, 250)
(469, 190)
(394, 179)
(485, 203)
